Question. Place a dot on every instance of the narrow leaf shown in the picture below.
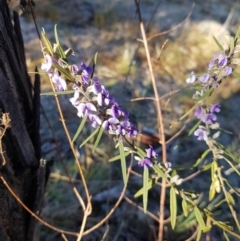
(118, 157)
(184, 207)
(236, 74)
(199, 233)
(140, 152)
(237, 34)
(66, 92)
(225, 236)
(199, 217)
(64, 72)
(149, 186)
(80, 128)
(98, 138)
(60, 50)
(194, 128)
(47, 43)
(173, 207)
(123, 162)
(218, 44)
(145, 188)
(90, 137)
(200, 159)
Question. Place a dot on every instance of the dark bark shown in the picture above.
(21, 141)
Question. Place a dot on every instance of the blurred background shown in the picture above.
(111, 28)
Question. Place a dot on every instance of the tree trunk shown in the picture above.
(20, 143)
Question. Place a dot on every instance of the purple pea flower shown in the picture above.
(47, 67)
(110, 124)
(95, 120)
(86, 73)
(59, 81)
(85, 109)
(75, 99)
(215, 108)
(228, 70)
(209, 118)
(199, 112)
(191, 79)
(204, 78)
(151, 153)
(222, 61)
(145, 162)
(122, 128)
(104, 97)
(201, 134)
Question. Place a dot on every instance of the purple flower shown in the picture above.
(209, 118)
(59, 81)
(85, 109)
(191, 79)
(86, 73)
(222, 61)
(96, 121)
(228, 70)
(215, 108)
(75, 99)
(151, 153)
(211, 64)
(201, 134)
(199, 112)
(110, 124)
(122, 128)
(145, 162)
(204, 78)
(104, 97)
(47, 67)
(115, 110)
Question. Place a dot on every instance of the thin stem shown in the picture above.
(33, 214)
(160, 123)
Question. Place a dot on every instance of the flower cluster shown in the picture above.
(207, 116)
(91, 99)
(218, 68)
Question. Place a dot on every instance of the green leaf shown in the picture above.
(206, 167)
(90, 137)
(80, 128)
(149, 186)
(118, 157)
(237, 34)
(231, 46)
(173, 207)
(230, 198)
(94, 63)
(184, 207)
(47, 43)
(64, 72)
(200, 159)
(141, 152)
(199, 233)
(123, 162)
(232, 165)
(225, 236)
(212, 192)
(60, 50)
(159, 171)
(66, 92)
(194, 128)
(98, 138)
(145, 188)
(236, 74)
(199, 218)
(229, 184)
(218, 44)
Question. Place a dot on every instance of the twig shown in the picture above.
(33, 214)
(160, 122)
(105, 233)
(115, 206)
